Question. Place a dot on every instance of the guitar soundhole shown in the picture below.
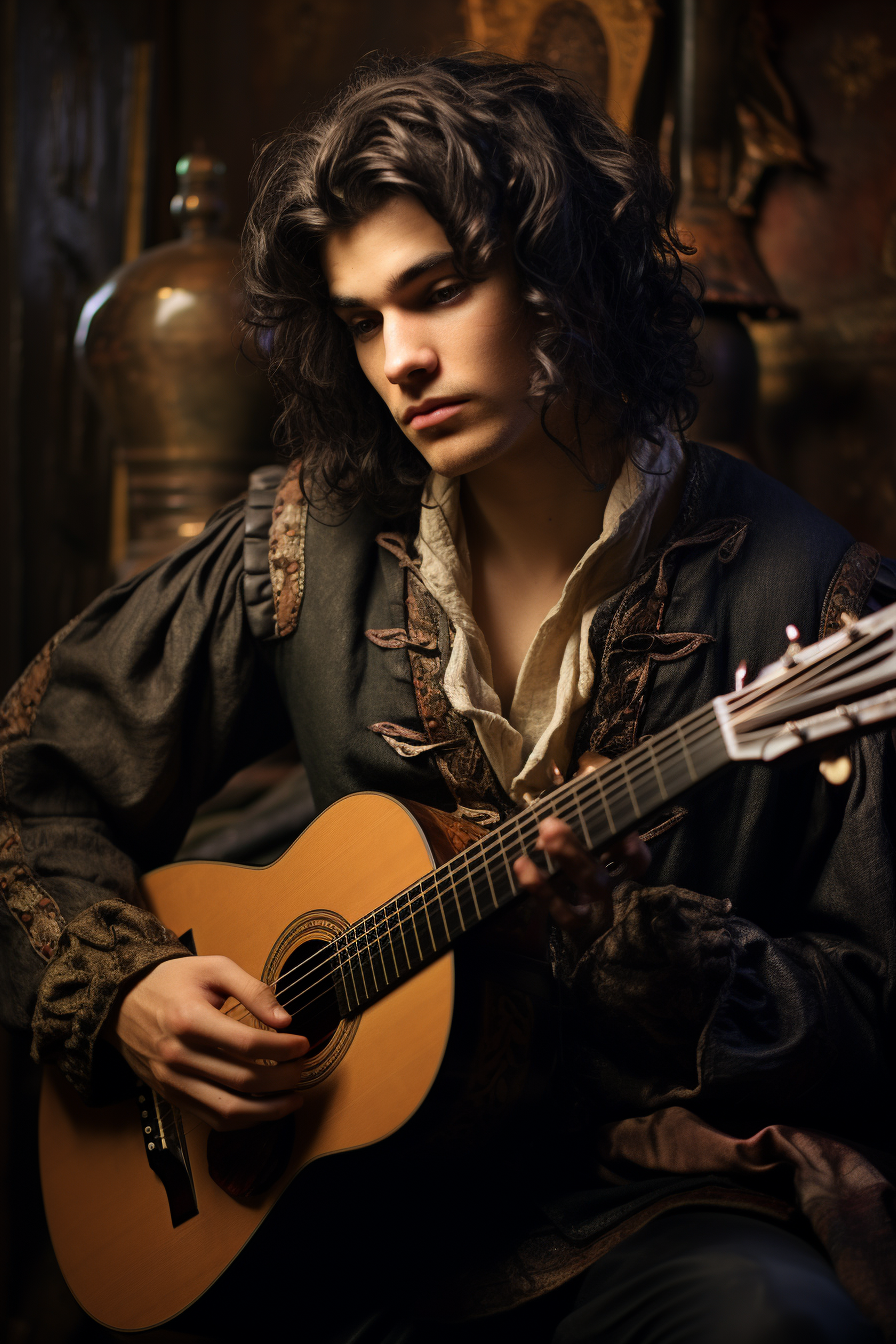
(305, 988)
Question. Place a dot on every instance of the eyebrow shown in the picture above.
(398, 281)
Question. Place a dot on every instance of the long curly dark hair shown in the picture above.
(497, 151)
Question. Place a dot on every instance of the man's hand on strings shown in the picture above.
(170, 1030)
(579, 896)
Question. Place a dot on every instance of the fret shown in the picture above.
(487, 868)
(500, 839)
(337, 951)
(364, 930)
(410, 901)
(383, 932)
(435, 911)
(606, 806)
(354, 956)
(454, 892)
(479, 866)
(628, 784)
(391, 923)
(424, 904)
(472, 886)
(656, 770)
(404, 947)
(544, 858)
(687, 755)
(586, 834)
(449, 903)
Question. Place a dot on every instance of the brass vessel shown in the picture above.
(183, 392)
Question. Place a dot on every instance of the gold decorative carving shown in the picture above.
(768, 142)
(314, 926)
(531, 29)
(856, 65)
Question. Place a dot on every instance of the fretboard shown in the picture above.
(396, 939)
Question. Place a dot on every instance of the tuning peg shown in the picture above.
(793, 647)
(740, 675)
(849, 623)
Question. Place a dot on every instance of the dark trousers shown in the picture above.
(690, 1277)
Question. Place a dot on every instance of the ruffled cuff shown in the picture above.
(659, 969)
(98, 951)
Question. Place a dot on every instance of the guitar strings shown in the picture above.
(610, 790)
(525, 825)
(566, 793)
(531, 826)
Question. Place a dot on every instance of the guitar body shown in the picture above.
(125, 1261)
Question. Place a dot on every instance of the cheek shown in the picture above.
(493, 344)
(369, 355)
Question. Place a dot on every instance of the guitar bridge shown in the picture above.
(166, 1152)
(163, 1139)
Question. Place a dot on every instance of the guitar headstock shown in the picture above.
(841, 686)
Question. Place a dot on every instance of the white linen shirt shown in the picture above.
(557, 674)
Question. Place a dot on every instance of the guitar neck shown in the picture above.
(412, 928)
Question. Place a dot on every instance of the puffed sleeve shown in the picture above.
(130, 717)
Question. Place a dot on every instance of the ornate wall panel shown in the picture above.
(827, 237)
(605, 43)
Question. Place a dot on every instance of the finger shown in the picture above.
(567, 915)
(630, 855)
(226, 977)
(225, 1072)
(637, 855)
(590, 761)
(532, 878)
(208, 1029)
(569, 855)
(224, 1110)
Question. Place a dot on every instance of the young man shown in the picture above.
(491, 558)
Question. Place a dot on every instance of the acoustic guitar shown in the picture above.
(362, 953)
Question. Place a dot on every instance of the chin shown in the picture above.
(456, 457)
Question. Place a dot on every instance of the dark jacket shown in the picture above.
(749, 979)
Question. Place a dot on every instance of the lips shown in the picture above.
(432, 411)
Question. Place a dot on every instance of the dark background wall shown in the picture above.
(76, 77)
(225, 75)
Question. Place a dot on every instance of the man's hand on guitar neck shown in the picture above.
(581, 902)
(170, 1031)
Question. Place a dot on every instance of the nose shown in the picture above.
(405, 350)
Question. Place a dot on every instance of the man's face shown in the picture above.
(448, 356)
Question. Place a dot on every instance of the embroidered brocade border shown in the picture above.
(462, 762)
(446, 734)
(849, 588)
(34, 908)
(635, 641)
(287, 551)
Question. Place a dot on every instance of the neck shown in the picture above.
(534, 508)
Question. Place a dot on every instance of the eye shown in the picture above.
(448, 292)
(364, 327)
